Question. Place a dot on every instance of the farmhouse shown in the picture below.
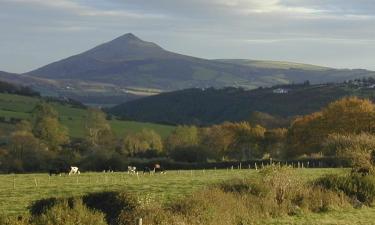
(280, 91)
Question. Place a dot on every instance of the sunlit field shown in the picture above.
(19, 190)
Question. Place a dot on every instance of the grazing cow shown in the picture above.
(58, 170)
(159, 169)
(132, 170)
(147, 170)
(74, 170)
(55, 172)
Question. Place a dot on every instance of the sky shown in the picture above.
(335, 33)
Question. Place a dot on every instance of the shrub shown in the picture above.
(41, 206)
(356, 149)
(114, 205)
(357, 186)
(69, 212)
(244, 186)
(20, 220)
(211, 206)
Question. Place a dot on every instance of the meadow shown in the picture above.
(20, 107)
(19, 190)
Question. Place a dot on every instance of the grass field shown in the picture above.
(17, 106)
(18, 191)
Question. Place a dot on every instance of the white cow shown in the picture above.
(74, 170)
(132, 170)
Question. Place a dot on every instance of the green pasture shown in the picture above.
(16, 106)
(19, 190)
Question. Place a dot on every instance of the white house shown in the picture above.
(280, 91)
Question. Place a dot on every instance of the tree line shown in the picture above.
(344, 130)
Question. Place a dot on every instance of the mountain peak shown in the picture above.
(129, 36)
(125, 47)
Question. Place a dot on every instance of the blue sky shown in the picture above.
(337, 33)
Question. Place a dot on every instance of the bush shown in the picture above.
(69, 212)
(113, 205)
(357, 186)
(244, 186)
(20, 220)
(41, 206)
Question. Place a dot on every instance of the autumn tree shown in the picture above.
(182, 136)
(247, 140)
(140, 142)
(268, 121)
(22, 140)
(98, 130)
(27, 152)
(218, 139)
(357, 149)
(305, 135)
(274, 142)
(47, 128)
(349, 115)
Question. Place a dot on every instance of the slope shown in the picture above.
(209, 106)
(15, 107)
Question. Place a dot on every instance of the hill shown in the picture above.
(210, 106)
(15, 107)
(274, 64)
(128, 68)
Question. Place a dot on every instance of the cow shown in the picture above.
(132, 170)
(147, 170)
(159, 169)
(56, 172)
(156, 169)
(74, 170)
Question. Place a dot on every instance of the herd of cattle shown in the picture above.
(131, 170)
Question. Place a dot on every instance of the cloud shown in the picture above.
(81, 9)
(209, 28)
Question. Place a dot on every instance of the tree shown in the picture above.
(267, 120)
(47, 128)
(274, 142)
(98, 130)
(218, 139)
(182, 136)
(349, 115)
(145, 140)
(22, 139)
(306, 135)
(26, 151)
(357, 149)
(247, 141)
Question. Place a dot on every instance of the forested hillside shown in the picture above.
(210, 106)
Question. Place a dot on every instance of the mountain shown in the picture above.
(211, 106)
(127, 68)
